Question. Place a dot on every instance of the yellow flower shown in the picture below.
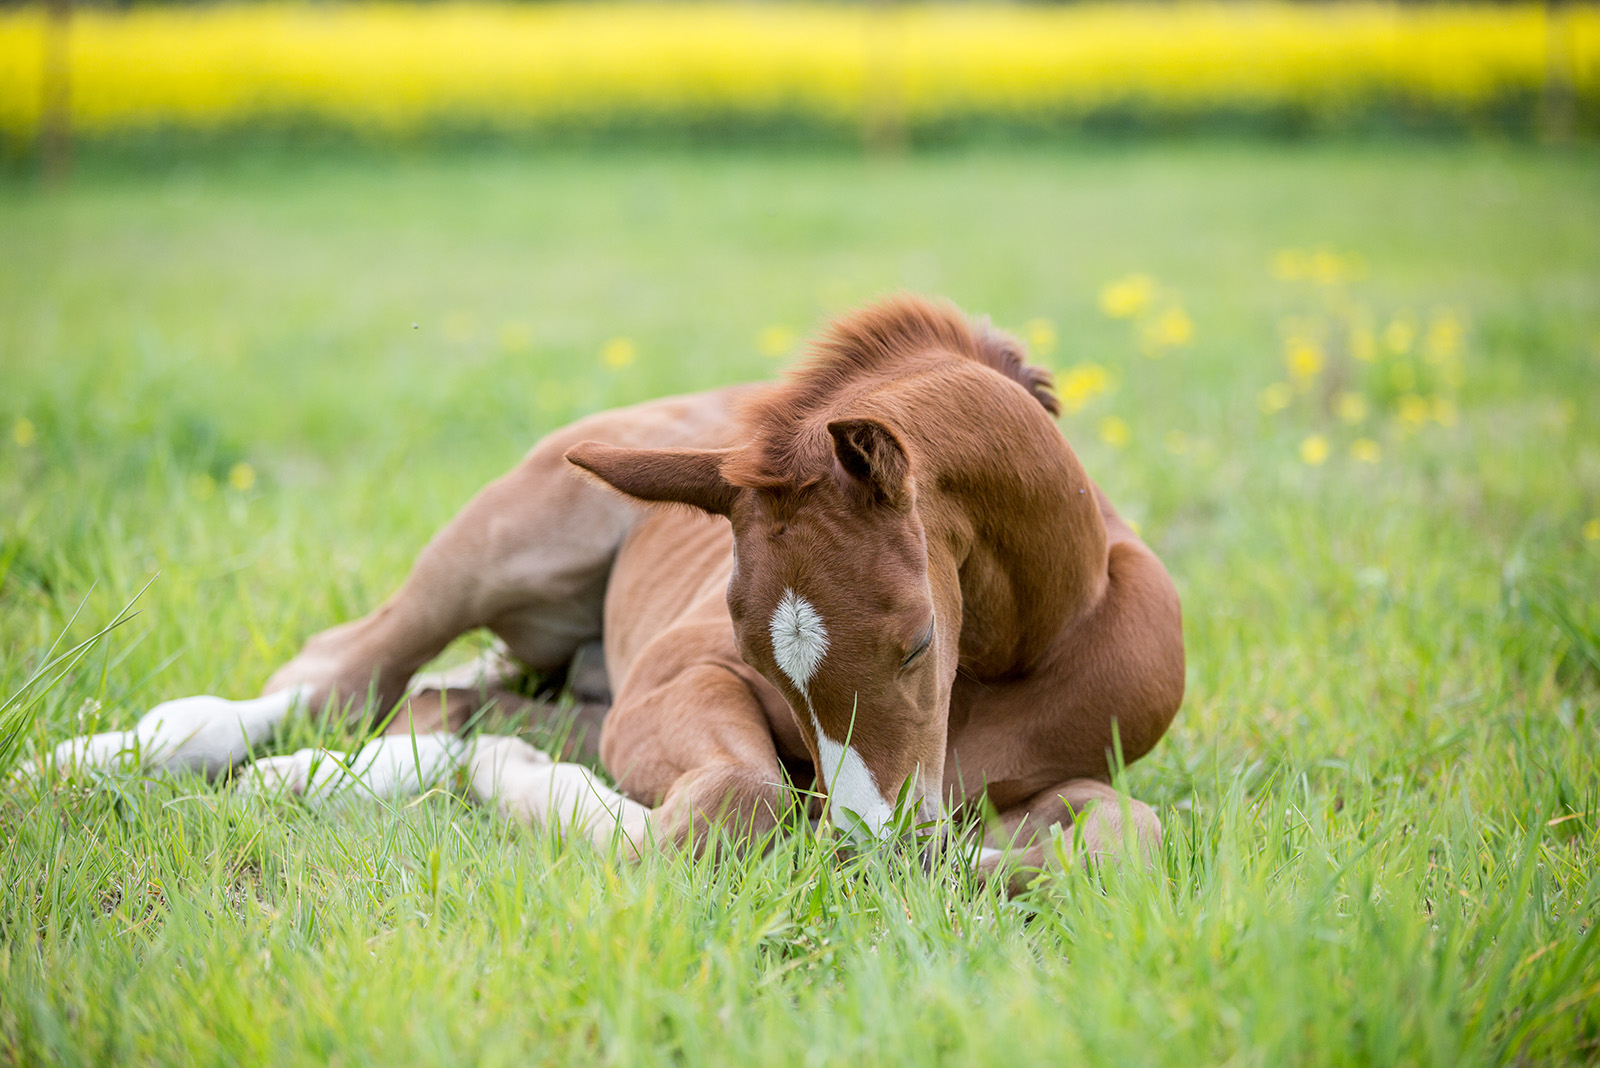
(1276, 397)
(1398, 336)
(23, 432)
(1081, 384)
(1366, 450)
(618, 352)
(1171, 328)
(1591, 529)
(1352, 407)
(515, 337)
(1127, 297)
(1041, 335)
(1444, 411)
(1289, 265)
(1113, 431)
(1414, 410)
(1314, 449)
(1304, 359)
(1327, 268)
(241, 476)
(775, 340)
(1444, 338)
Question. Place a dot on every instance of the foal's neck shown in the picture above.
(1008, 501)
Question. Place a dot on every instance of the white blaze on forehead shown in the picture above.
(799, 639)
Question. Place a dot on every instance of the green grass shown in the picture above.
(1380, 797)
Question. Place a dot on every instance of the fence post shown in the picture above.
(883, 120)
(55, 93)
(1559, 105)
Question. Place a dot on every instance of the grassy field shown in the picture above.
(259, 386)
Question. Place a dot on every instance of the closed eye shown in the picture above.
(922, 647)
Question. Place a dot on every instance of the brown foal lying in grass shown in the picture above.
(892, 581)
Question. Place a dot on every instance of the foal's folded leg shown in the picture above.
(205, 734)
(523, 783)
(386, 768)
(1104, 823)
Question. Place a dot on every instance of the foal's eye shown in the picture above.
(922, 646)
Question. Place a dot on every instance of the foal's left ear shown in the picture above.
(870, 454)
(684, 476)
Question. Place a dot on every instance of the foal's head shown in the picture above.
(837, 596)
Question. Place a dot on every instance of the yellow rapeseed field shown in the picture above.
(397, 68)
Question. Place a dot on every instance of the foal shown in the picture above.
(892, 573)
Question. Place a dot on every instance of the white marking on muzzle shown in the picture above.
(799, 642)
(854, 800)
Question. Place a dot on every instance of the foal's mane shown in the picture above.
(786, 442)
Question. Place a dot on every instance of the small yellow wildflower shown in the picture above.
(775, 340)
(241, 476)
(1352, 407)
(515, 337)
(203, 486)
(1414, 410)
(1366, 450)
(1314, 450)
(1041, 335)
(1081, 384)
(1444, 411)
(1591, 529)
(1289, 265)
(1444, 338)
(1304, 359)
(1327, 268)
(618, 352)
(1398, 335)
(1177, 442)
(1170, 329)
(23, 432)
(1276, 397)
(1127, 297)
(1114, 431)
(1362, 346)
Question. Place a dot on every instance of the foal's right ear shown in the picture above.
(684, 476)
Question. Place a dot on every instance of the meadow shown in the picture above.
(1346, 390)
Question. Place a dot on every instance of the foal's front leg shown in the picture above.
(690, 748)
(1087, 810)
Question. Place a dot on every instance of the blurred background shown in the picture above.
(282, 283)
(882, 74)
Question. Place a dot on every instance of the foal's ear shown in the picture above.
(870, 454)
(685, 476)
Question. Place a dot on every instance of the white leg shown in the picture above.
(398, 765)
(493, 670)
(204, 734)
(523, 783)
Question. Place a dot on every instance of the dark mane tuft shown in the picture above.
(786, 445)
